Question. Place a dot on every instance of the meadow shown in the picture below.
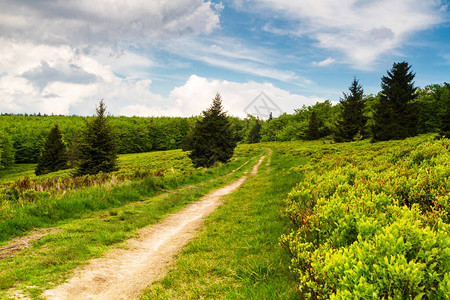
(357, 220)
(28, 201)
(371, 221)
(320, 220)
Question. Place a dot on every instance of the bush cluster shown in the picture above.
(371, 221)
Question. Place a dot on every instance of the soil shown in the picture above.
(124, 273)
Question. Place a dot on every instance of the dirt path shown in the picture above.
(18, 244)
(124, 273)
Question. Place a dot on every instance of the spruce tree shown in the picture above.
(212, 138)
(53, 155)
(445, 127)
(98, 148)
(352, 120)
(255, 133)
(313, 132)
(395, 117)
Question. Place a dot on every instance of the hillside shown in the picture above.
(340, 202)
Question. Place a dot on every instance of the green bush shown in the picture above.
(371, 221)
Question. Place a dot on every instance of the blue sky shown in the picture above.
(166, 57)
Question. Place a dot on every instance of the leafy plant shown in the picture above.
(372, 220)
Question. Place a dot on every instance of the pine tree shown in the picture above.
(255, 133)
(98, 148)
(445, 127)
(352, 120)
(53, 155)
(212, 138)
(395, 117)
(313, 132)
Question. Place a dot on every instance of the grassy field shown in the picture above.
(29, 202)
(95, 218)
(238, 256)
(322, 220)
(365, 219)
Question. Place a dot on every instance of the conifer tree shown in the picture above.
(313, 132)
(53, 155)
(212, 138)
(395, 117)
(98, 148)
(352, 120)
(445, 127)
(255, 133)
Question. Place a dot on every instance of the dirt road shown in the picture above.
(124, 273)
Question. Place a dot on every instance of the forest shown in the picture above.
(22, 136)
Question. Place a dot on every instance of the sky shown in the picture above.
(170, 57)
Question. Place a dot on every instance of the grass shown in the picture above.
(35, 210)
(237, 256)
(88, 233)
(17, 171)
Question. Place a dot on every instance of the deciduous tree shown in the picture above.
(6, 151)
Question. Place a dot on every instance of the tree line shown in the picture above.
(398, 111)
(26, 134)
(23, 136)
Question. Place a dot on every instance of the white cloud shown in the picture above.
(361, 30)
(197, 93)
(79, 23)
(325, 62)
(134, 97)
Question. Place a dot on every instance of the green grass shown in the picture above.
(17, 171)
(166, 162)
(34, 210)
(238, 254)
(88, 234)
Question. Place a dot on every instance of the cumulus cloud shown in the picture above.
(361, 30)
(134, 97)
(44, 74)
(105, 23)
(61, 57)
(197, 93)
